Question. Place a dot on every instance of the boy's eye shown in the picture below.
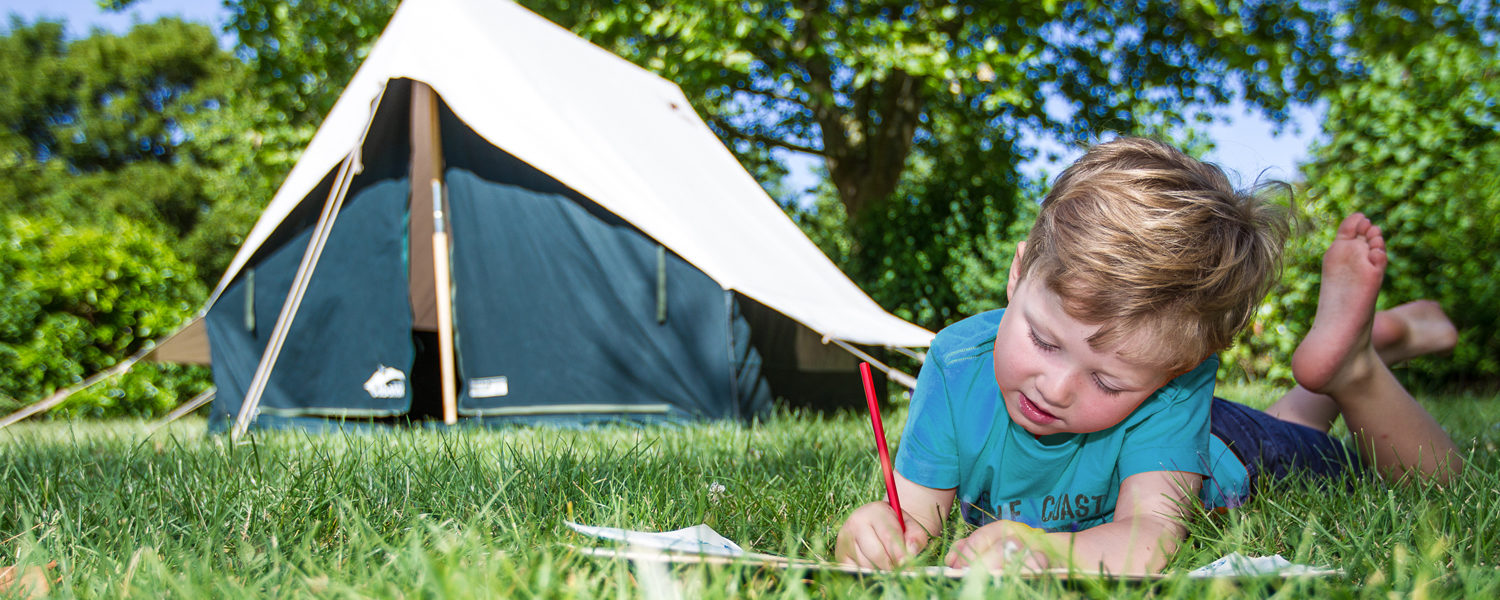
(1039, 343)
(1105, 388)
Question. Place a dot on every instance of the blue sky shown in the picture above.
(83, 15)
(1246, 146)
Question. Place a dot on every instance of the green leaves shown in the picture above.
(105, 101)
(76, 298)
(115, 151)
(1415, 144)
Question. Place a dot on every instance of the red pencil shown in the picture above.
(885, 455)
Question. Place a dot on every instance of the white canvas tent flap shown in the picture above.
(621, 136)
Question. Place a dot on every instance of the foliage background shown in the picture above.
(1415, 144)
(139, 160)
(113, 165)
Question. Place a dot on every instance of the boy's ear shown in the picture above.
(1015, 271)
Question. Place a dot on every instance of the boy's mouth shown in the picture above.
(1034, 412)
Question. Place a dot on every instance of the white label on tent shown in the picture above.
(387, 382)
(489, 387)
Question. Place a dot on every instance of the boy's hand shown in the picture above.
(872, 537)
(999, 544)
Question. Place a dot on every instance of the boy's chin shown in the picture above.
(1043, 431)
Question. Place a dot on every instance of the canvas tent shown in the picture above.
(609, 257)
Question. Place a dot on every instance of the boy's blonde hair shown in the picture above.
(1157, 247)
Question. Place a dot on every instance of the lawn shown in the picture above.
(125, 511)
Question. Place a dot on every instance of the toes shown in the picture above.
(1349, 227)
(1352, 226)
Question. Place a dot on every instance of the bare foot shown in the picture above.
(1410, 330)
(1337, 349)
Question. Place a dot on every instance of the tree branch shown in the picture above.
(768, 140)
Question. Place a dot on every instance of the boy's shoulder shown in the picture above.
(973, 337)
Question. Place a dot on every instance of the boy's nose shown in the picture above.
(1056, 389)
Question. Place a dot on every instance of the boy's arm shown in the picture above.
(871, 537)
(1150, 520)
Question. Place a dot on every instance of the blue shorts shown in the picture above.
(1271, 447)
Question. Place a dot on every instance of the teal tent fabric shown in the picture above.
(564, 313)
(560, 311)
(355, 320)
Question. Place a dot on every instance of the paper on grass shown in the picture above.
(1235, 564)
(698, 539)
(703, 540)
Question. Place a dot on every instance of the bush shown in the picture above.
(76, 300)
(1416, 146)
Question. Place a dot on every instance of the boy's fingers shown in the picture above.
(983, 550)
(891, 546)
(876, 556)
(867, 547)
(876, 540)
(979, 542)
(916, 535)
(958, 554)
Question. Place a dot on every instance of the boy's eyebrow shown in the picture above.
(1034, 326)
(1126, 384)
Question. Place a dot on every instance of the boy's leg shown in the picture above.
(1417, 328)
(1410, 330)
(1336, 358)
(1306, 408)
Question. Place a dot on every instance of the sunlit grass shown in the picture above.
(475, 512)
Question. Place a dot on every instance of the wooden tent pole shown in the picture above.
(442, 276)
(428, 200)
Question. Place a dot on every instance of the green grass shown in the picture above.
(478, 513)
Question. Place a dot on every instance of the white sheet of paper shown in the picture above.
(702, 539)
(698, 539)
(1235, 564)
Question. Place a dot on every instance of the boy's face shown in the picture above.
(1052, 380)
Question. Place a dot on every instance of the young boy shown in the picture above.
(1073, 427)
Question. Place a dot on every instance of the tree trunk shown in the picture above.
(866, 147)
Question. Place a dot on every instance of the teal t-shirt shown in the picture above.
(958, 434)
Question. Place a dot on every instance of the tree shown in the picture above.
(114, 125)
(77, 298)
(114, 149)
(921, 110)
